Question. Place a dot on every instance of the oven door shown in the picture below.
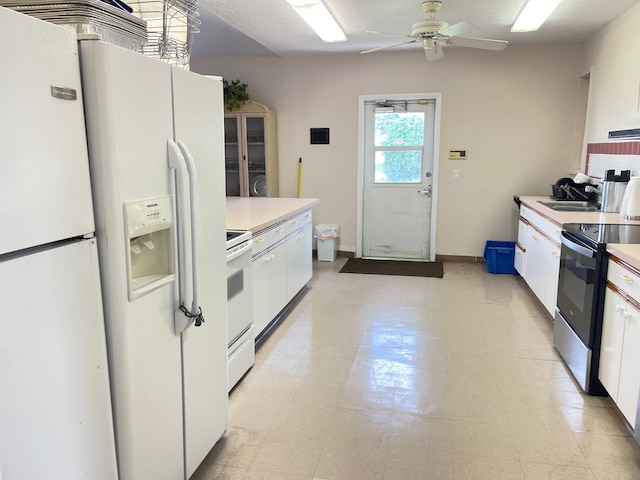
(239, 291)
(577, 286)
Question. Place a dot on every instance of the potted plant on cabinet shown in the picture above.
(235, 94)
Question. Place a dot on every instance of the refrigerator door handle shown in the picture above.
(182, 315)
(193, 182)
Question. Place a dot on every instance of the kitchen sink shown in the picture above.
(571, 206)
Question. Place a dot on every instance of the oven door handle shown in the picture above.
(248, 245)
(587, 252)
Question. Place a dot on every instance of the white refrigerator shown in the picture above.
(155, 138)
(55, 408)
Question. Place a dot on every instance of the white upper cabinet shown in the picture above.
(251, 161)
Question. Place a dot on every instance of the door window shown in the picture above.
(398, 147)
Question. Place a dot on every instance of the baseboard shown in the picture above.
(459, 259)
(439, 258)
(339, 254)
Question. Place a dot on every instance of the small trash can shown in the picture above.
(499, 257)
(327, 241)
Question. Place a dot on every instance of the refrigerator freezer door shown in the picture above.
(129, 120)
(198, 117)
(45, 190)
(55, 408)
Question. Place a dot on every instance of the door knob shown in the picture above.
(425, 191)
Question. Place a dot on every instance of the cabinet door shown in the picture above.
(278, 290)
(535, 272)
(233, 156)
(520, 259)
(261, 309)
(256, 154)
(306, 256)
(552, 268)
(611, 343)
(299, 260)
(629, 383)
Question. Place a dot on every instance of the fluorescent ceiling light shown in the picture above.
(534, 14)
(319, 19)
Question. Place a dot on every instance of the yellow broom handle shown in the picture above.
(299, 174)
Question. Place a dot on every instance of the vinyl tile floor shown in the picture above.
(398, 378)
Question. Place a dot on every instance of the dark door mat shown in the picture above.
(393, 267)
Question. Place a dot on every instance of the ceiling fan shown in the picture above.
(435, 33)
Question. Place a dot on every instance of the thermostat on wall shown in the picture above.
(458, 154)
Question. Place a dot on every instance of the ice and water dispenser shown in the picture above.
(149, 230)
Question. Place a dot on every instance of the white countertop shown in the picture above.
(258, 213)
(628, 253)
(572, 217)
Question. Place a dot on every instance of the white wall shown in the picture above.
(513, 110)
(614, 61)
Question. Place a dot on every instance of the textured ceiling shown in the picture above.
(271, 27)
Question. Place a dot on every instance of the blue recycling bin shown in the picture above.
(499, 257)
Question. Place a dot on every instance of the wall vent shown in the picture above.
(631, 133)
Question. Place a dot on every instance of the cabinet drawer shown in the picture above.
(624, 279)
(278, 233)
(261, 242)
(267, 238)
(299, 221)
(293, 224)
(546, 226)
(305, 218)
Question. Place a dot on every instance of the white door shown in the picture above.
(198, 122)
(398, 183)
(55, 406)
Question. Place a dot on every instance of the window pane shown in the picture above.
(399, 129)
(398, 166)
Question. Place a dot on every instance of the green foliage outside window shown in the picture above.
(399, 130)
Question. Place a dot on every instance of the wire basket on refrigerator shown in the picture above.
(171, 25)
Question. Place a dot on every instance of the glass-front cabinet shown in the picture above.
(251, 163)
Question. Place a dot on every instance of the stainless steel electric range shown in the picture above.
(581, 287)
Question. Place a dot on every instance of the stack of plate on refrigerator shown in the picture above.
(112, 20)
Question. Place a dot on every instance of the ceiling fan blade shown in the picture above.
(484, 43)
(389, 46)
(386, 33)
(457, 29)
(434, 53)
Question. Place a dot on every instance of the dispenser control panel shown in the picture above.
(149, 231)
(146, 216)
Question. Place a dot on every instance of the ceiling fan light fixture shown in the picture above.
(534, 15)
(316, 15)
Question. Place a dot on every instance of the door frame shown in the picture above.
(437, 97)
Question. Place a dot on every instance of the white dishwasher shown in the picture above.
(240, 332)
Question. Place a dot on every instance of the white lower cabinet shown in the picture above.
(261, 309)
(541, 271)
(269, 285)
(537, 257)
(278, 291)
(629, 384)
(299, 260)
(520, 256)
(620, 352)
(282, 266)
(611, 343)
